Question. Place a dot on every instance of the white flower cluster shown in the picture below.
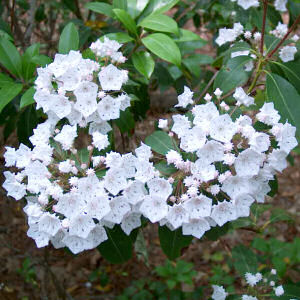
(80, 89)
(219, 293)
(223, 165)
(69, 198)
(229, 35)
(279, 5)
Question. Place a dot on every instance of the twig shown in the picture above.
(31, 22)
(263, 27)
(208, 86)
(270, 54)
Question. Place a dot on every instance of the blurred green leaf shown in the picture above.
(161, 23)
(187, 36)
(101, 8)
(126, 20)
(69, 39)
(163, 46)
(120, 37)
(144, 63)
(244, 260)
(160, 142)
(285, 98)
(10, 57)
(8, 92)
(172, 242)
(27, 97)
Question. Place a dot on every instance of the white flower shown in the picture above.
(195, 227)
(257, 36)
(198, 207)
(277, 160)
(218, 92)
(242, 98)
(268, 114)
(287, 53)
(67, 136)
(155, 208)
(280, 5)
(130, 222)
(247, 297)
(119, 208)
(109, 108)
(181, 125)
(159, 187)
(111, 78)
(163, 123)
(252, 279)
(211, 152)
(223, 212)
(100, 141)
(81, 225)
(185, 98)
(143, 152)
(229, 35)
(207, 97)
(222, 128)
(177, 215)
(65, 166)
(248, 35)
(219, 293)
(295, 38)
(248, 163)
(280, 30)
(245, 4)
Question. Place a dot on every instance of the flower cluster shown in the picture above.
(81, 90)
(266, 284)
(223, 164)
(229, 35)
(72, 194)
(279, 5)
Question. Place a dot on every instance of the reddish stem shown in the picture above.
(263, 27)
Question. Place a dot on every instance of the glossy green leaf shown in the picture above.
(121, 4)
(41, 60)
(10, 57)
(8, 92)
(125, 122)
(173, 241)
(144, 63)
(187, 36)
(120, 37)
(160, 142)
(126, 20)
(292, 72)
(165, 169)
(286, 99)
(135, 7)
(118, 247)
(244, 260)
(232, 75)
(27, 97)
(101, 8)
(193, 62)
(164, 47)
(159, 6)
(69, 39)
(26, 123)
(161, 23)
(29, 66)
(216, 232)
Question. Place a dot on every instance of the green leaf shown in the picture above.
(41, 60)
(244, 260)
(160, 142)
(187, 36)
(135, 7)
(161, 23)
(101, 8)
(292, 72)
(28, 66)
(69, 39)
(286, 99)
(193, 62)
(159, 6)
(10, 57)
(125, 122)
(120, 37)
(122, 4)
(8, 92)
(126, 20)
(26, 123)
(118, 247)
(232, 75)
(165, 169)
(164, 47)
(144, 63)
(27, 97)
(172, 242)
(216, 232)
